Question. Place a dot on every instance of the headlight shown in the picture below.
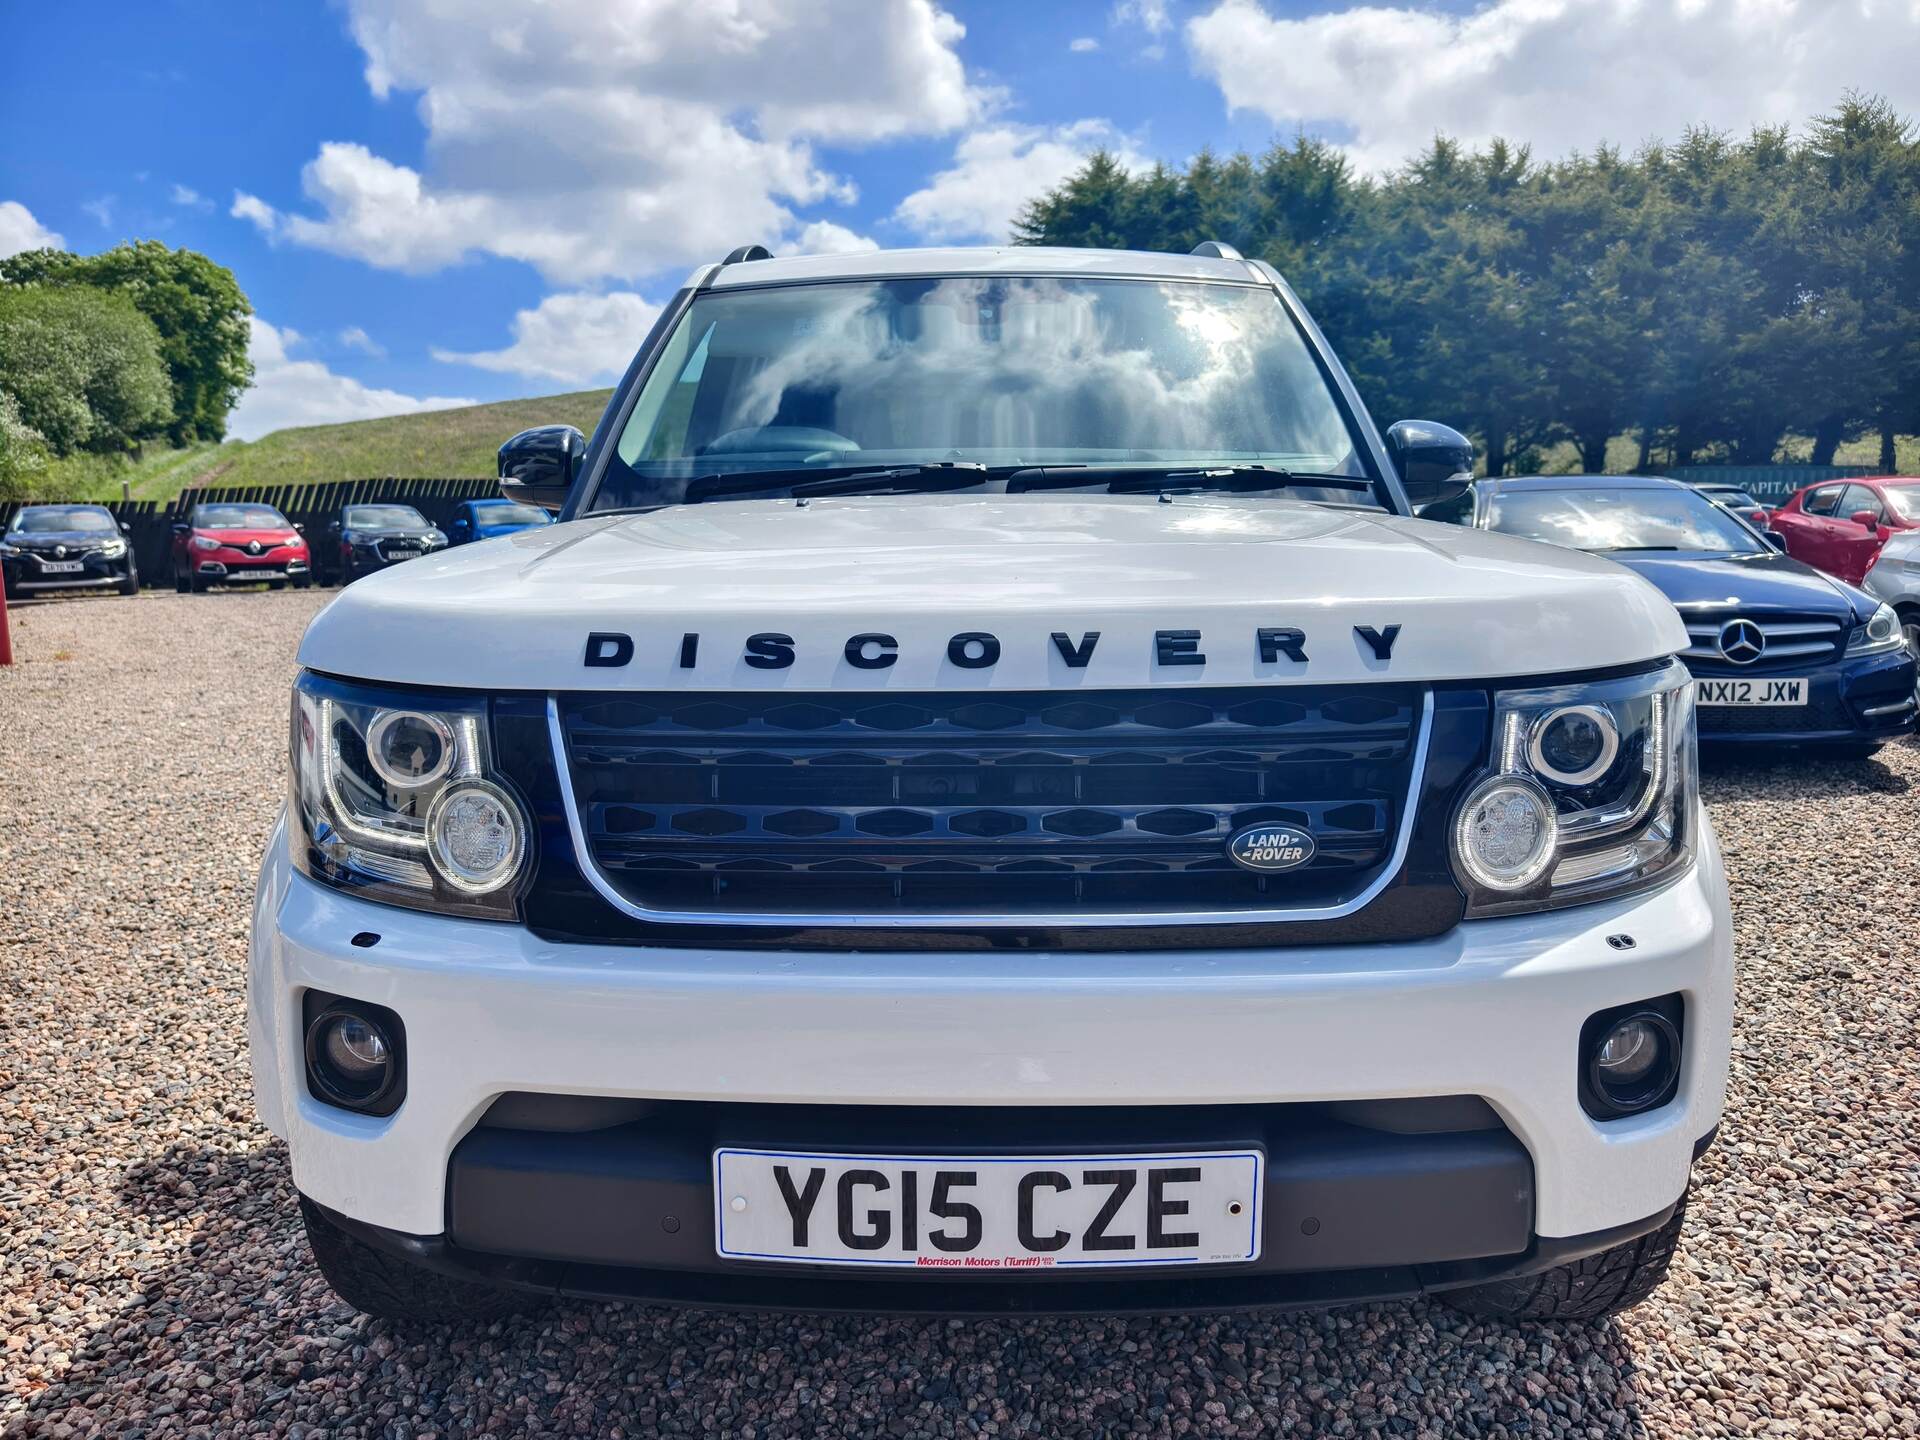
(436, 537)
(202, 542)
(392, 798)
(1878, 636)
(1591, 794)
(113, 549)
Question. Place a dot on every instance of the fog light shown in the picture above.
(355, 1054)
(476, 836)
(1505, 834)
(355, 1048)
(1632, 1062)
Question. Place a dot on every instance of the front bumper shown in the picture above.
(1864, 701)
(1156, 1044)
(246, 569)
(24, 575)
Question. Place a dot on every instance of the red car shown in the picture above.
(234, 544)
(1839, 525)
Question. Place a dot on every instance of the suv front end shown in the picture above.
(994, 903)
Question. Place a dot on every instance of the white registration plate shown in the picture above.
(1751, 692)
(988, 1212)
(62, 567)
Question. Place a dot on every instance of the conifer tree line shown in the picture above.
(1712, 299)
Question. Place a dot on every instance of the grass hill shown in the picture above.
(436, 443)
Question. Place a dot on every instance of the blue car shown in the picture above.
(1783, 654)
(490, 519)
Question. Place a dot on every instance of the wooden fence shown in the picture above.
(150, 522)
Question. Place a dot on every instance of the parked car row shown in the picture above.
(1783, 653)
(48, 548)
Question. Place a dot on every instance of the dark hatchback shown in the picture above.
(46, 548)
(1783, 654)
(367, 538)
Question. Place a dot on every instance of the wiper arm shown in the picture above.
(840, 480)
(1134, 479)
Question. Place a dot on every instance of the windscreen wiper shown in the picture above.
(802, 481)
(1181, 478)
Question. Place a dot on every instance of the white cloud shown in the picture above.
(189, 198)
(998, 169)
(1149, 15)
(823, 237)
(574, 339)
(101, 210)
(354, 338)
(254, 209)
(1083, 45)
(20, 231)
(305, 392)
(1559, 76)
(595, 139)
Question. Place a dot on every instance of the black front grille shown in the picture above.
(977, 805)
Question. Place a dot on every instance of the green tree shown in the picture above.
(23, 452)
(83, 367)
(196, 306)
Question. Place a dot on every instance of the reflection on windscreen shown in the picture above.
(384, 517)
(506, 512)
(991, 369)
(241, 517)
(1624, 519)
(46, 520)
(1904, 500)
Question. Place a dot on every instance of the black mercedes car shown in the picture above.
(371, 537)
(1783, 654)
(66, 547)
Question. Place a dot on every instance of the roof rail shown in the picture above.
(1218, 249)
(747, 252)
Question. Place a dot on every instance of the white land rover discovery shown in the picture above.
(989, 802)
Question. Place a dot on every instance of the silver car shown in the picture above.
(1894, 577)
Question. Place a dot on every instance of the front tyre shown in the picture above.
(388, 1288)
(130, 585)
(1589, 1289)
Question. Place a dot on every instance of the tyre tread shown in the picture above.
(389, 1288)
(1589, 1289)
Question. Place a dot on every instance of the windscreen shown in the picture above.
(1904, 501)
(241, 517)
(991, 370)
(384, 517)
(47, 519)
(1627, 518)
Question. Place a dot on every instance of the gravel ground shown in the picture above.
(154, 1281)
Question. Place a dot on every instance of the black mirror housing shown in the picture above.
(1435, 461)
(1776, 540)
(539, 466)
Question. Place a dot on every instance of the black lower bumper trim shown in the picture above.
(1005, 1295)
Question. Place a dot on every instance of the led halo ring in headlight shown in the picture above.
(476, 836)
(1588, 731)
(395, 734)
(1506, 832)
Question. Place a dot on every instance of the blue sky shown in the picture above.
(430, 203)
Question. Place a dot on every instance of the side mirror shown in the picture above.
(125, 528)
(179, 527)
(1866, 519)
(333, 525)
(1776, 540)
(300, 527)
(1436, 463)
(538, 467)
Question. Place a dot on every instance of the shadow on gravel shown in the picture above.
(1799, 770)
(220, 1325)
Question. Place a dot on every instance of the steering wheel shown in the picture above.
(780, 439)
